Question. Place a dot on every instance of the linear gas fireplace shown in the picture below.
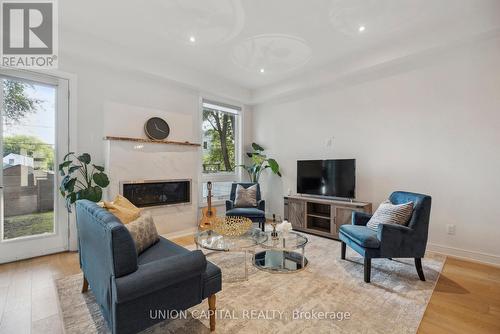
(157, 192)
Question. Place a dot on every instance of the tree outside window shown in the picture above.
(219, 144)
(220, 156)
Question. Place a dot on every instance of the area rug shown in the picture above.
(329, 296)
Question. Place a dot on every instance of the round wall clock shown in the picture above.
(156, 128)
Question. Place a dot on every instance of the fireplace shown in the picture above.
(157, 193)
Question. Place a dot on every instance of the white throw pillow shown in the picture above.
(388, 213)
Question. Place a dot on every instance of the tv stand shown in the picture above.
(321, 216)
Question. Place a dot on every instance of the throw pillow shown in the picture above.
(123, 209)
(246, 197)
(143, 231)
(388, 213)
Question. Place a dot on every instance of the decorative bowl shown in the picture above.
(231, 226)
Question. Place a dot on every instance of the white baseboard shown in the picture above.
(180, 234)
(474, 256)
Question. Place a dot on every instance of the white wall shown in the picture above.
(433, 130)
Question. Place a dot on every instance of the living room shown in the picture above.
(237, 166)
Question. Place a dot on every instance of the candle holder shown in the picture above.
(274, 223)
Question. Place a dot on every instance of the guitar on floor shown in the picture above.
(208, 214)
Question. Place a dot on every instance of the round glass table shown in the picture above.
(284, 254)
(215, 242)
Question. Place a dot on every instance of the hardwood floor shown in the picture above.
(466, 298)
(28, 298)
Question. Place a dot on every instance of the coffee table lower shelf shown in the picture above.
(279, 261)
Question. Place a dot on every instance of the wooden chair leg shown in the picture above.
(85, 286)
(342, 250)
(418, 265)
(368, 269)
(211, 307)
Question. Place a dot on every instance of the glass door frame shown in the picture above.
(58, 241)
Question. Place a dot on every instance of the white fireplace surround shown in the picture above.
(126, 160)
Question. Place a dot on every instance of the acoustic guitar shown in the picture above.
(208, 214)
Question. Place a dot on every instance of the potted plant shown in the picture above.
(81, 179)
(260, 162)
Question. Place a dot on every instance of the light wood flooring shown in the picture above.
(466, 298)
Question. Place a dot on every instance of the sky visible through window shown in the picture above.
(40, 124)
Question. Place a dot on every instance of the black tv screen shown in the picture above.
(332, 178)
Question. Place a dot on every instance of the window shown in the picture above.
(220, 190)
(220, 151)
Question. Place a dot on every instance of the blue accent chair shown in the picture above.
(390, 240)
(256, 214)
(126, 285)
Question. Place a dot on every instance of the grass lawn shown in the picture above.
(26, 225)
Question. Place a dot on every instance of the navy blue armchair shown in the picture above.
(256, 214)
(126, 285)
(390, 240)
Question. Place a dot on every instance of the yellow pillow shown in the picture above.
(123, 209)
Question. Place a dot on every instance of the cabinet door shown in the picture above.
(296, 213)
(343, 215)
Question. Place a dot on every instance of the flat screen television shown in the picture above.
(330, 178)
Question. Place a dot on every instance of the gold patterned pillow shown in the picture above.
(143, 231)
(246, 197)
(123, 209)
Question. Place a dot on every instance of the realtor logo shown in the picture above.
(29, 34)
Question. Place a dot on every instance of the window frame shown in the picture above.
(221, 176)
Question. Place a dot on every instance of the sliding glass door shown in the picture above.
(33, 137)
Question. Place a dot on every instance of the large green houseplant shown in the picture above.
(259, 163)
(81, 179)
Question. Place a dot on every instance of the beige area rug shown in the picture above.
(394, 302)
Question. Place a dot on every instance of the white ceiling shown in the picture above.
(236, 40)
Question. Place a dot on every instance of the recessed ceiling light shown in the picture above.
(192, 39)
(262, 70)
(361, 28)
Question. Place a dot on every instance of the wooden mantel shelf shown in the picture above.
(143, 140)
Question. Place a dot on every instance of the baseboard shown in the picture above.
(31, 254)
(180, 234)
(464, 254)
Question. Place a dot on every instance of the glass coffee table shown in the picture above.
(282, 255)
(212, 241)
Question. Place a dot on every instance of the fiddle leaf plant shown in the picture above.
(81, 179)
(260, 162)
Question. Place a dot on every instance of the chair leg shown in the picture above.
(342, 250)
(211, 308)
(418, 265)
(368, 269)
(263, 225)
(85, 286)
